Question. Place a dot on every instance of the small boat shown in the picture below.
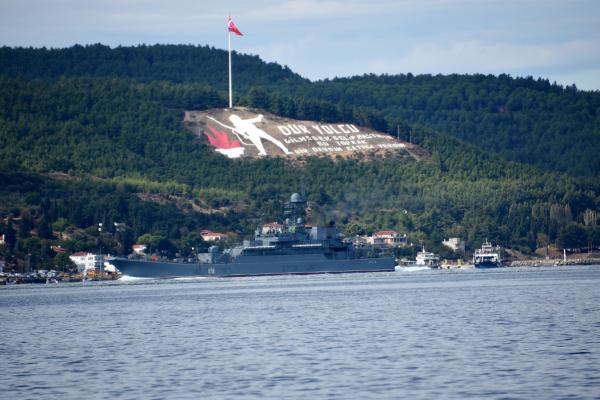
(427, 259)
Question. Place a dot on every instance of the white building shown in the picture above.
(386, 239)
(272, 228)
(210, 236)
(455, 244)
(87, 261)
(139, 248)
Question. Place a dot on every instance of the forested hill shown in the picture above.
(174, 63)
(521, 119)
(85, 138)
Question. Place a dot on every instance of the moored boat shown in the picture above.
(487, 256)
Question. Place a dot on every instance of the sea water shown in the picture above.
(504, 333)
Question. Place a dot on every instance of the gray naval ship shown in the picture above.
(277, 249)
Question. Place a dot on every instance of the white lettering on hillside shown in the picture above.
(334, 138)
(300, 139)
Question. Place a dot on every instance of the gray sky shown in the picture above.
(554, 39)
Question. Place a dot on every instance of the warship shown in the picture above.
(290, 247)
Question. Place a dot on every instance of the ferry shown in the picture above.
(487, 256)
(427, 259)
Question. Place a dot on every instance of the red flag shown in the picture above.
(232, 28)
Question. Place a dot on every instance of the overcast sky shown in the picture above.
(554, 39)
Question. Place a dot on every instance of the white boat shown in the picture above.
(427, 259)
(487, 256)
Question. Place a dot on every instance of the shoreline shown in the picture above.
(552, 262)
(8, 279)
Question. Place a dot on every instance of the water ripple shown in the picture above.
(504, 334)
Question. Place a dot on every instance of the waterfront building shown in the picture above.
(139, 249)
(386, 239)
(210, 236)
(455, 244)
(272, 228)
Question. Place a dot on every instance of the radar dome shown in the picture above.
(296, 198)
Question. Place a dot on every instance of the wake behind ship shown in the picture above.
(277, 249)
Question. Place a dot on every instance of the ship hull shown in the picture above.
(254, 266)
(486, 264)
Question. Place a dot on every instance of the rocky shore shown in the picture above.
(555, 262)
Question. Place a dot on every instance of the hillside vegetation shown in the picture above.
(90, 135)
(521, 119)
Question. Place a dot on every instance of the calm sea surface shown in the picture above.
(418, 334)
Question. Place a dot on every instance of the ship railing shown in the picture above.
(268, 247)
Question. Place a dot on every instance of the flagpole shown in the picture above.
(229, 47)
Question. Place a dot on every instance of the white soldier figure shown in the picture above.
(247, 130)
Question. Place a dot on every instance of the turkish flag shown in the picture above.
(232, 28)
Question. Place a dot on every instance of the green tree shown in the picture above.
(593, 233)
(44, 230)
(572, 236)
(10, 235)
(64, 263)
(152, 241)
